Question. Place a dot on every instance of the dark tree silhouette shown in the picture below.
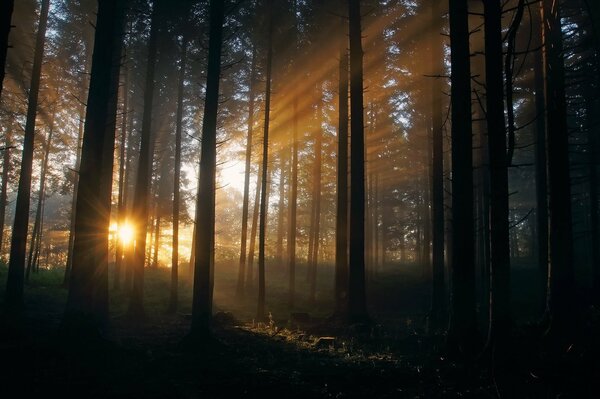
(86, 305)
(205, 208)
(462, 328)
(357, 304)
(561, 276)
(262, 224)
(16, 264)
(341, 218)
(142, 183)
(6, 11)
(245, 205)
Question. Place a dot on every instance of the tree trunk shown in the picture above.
(121, 219)
(86, 302)
(156, 238)
(173, 299)
(142, 184)
(242, 266)
(317, 216)
(260, 312)
(561, 277)
(253, 231)
(6, 11)
(15, 280)
(6, 167)
(280, 228)
(500, 319)
(357, 304)
(293, 203)
(541, 178)
(205, 208)
(462, 328)
(37, 232)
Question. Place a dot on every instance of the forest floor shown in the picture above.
(393, 357)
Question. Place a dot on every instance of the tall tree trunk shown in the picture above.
(156, 238)
(357, 301)
(6, 167)
(260, 311)
(462, 328)
(253, 231)
(16, 265)
(6, 11)
(36, 234)
(144, 172)
(205, 208)
(242, 266)
(317, 217)
(121, 205)
(173, 299)
(561, 277)
(500, 319)
(280, 228)
(293, 203)
(541, 177)
(88, 279)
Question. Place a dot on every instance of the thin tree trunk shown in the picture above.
(357, 304)
(205, 208)
(500, 318)
(462, 328)
(36, 234)
(541, 178)
(260, 312)
(293, 209)
(280, 228)
(253, 231)
(317, 217)
(6, 168)
(16, 265)
(245, 206)
(561, 277)
(121, 219)
(173, 299)
(6, 11)
(142, 186)
(156, 239)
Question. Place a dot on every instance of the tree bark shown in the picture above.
(357, 304)
(462, 328)
(293, 203)
(205, 208)
(341, 217)
(317, 216)
(173, 299)
(142, 184)
(16, 264)
(87, 305)
(438, 296)
(6, 167)
(541, 178)
(245, 206)
(260, 312)
(500, 318)
(6, 11)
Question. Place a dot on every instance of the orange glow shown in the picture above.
(126, 233)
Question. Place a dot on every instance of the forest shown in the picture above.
(300, 198)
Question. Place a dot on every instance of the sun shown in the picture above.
(126, 233)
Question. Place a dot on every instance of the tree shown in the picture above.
(176, 180)
(500, 251)
(86, 307)
(6, 168)
(462, 328)
(142, 184)
(16, 265)
(260, 312)
(561, 276)
(438, 298)
(357, 304)
(341, 218)
(6, 10)
(205, 204)
(245, 205)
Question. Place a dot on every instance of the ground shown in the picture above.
(311, 356)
